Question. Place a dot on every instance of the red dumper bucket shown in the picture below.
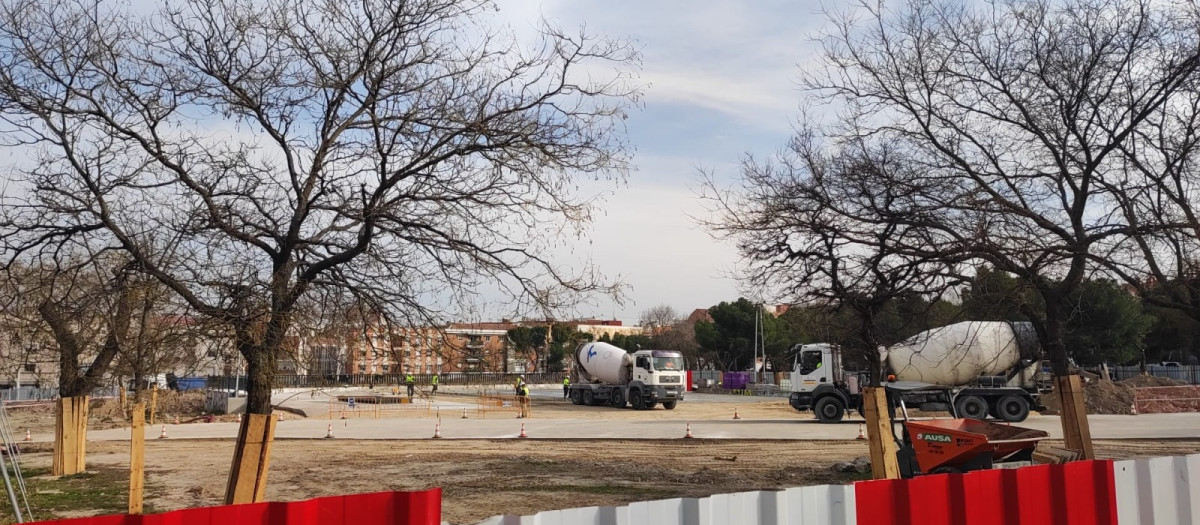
(959, 445)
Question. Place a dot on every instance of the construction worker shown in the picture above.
(434, 381)
(566, 386)
(520, 383)
(523, 400)
(410, 383)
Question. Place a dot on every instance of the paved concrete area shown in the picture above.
(499, 426)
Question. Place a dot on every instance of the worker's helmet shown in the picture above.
(891, 378)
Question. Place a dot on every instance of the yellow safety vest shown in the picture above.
(566, 381)
(435, 380)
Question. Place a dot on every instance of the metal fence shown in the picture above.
(29, 393)
(383, 380)
(1187, 374)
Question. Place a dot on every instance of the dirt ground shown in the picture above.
(479, 478)
(482, 478)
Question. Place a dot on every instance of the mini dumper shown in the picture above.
(936, 446)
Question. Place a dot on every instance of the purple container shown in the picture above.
(735, 380)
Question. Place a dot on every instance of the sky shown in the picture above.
(721, 82)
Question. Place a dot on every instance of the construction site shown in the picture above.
(486, 460)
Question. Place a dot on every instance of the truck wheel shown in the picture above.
(829, 410)
(617, 398)
(589, 398)
(670, 405)
(635, 397)
(971, 407)
(1013, 409)
(576, 397)
(651, 404)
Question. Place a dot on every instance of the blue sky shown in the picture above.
(722, 82)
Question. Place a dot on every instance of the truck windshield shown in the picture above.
(668, 363)
(810, 360)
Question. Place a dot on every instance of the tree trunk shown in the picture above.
(882, 445)
(70, 436)
(1076, 430)
(251, 459)
(251, 455)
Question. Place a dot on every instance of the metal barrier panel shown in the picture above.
(1079, 493)
(822, 505)
(381, 508)
(1158, 491)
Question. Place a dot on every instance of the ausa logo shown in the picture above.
(940, 438)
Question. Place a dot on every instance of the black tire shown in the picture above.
(829, 409)
(589, 398)
(617, 399)
(1012, 408)
(971, 407)
(651, 404)
(576, 397)
(670, 405)
(635, 397)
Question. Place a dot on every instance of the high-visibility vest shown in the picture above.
(408, 378)
(524, 390)
(566, 381)
(435, 379)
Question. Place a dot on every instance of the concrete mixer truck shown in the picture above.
(994, 367)
(607, 375)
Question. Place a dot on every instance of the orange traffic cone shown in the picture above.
(862, 431)
(689, 432)
(735, 414)
(239, 417)
(163, 434)
(329, 432)
(437, 431)
(280, 417)
(27, 436)
(176, 420)
(523, 434)
(464, 413)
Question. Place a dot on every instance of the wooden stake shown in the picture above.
(70, 436)
(251, 458)
(124, 400)
(1076, 432)
(884, 464)
(137, 458)
(153, 402)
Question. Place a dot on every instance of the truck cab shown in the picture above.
(658, 376)
(819, 383)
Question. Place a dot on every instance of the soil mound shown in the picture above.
(1112, 397)
(1101, 397)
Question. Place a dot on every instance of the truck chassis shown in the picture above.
(1011, 404)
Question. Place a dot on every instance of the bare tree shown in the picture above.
(246, 154)
(826, 229)
(83, 306)
(1015, 113)
(659, 318)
